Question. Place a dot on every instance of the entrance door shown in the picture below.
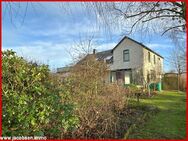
(119, 77)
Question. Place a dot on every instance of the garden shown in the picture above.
(82, 106)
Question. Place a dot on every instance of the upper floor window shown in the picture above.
(149, 57)
(154, 59)
(159, 60)
(126, 56)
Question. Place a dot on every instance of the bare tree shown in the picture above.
(152, 76)
(167, 16)
(137, 76)
(82, 47)
(156, 16)
(177, 59)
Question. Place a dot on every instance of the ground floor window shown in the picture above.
(121, 76)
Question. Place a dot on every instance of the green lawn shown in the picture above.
(169, 122)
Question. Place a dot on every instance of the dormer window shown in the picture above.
(126, 57)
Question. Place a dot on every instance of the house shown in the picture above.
(131, 62)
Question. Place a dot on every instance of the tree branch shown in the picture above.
(162, 16)
(172, 28)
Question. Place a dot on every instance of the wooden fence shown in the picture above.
(170, 81)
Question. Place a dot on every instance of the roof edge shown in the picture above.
(137, 43)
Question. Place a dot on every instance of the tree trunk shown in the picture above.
(149, 90)
(179, 72)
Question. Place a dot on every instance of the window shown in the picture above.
(154, 59)
(126, 55)
(149, 57)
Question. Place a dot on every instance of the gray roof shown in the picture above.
(104, 54)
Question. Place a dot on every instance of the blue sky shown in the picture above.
(47, 33)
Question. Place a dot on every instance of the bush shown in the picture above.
(132, 87)
(97, 103)
(32, 104)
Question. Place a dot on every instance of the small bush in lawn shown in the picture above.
(31, 101)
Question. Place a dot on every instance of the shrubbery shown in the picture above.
(82, 105)
(98, 104)
(32, 104)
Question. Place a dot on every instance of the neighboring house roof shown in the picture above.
(100, 56)
(125, 37)
(84, 58)
(63, 69)
(104, 55)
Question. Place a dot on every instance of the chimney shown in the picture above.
(94, 51)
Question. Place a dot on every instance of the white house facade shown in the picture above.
(133, 62)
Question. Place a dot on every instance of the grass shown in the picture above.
(169, 122)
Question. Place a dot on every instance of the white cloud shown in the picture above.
(55, 55)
